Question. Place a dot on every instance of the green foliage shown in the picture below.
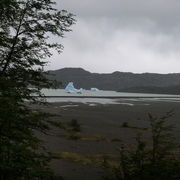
(21, 152)
(72, 126)
(75, 125)
(125, 124)
(149, 160)
(25, 30)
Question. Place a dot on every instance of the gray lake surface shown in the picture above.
(107, 97)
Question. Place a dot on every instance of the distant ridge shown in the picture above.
(119, 81)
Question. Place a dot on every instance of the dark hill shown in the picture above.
(118, 81)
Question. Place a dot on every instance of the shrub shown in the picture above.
(154, 160)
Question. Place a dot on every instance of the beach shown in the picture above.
(101, 126)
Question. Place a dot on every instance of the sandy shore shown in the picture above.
(101, 120)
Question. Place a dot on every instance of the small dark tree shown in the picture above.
(150, 160)
(25, 29)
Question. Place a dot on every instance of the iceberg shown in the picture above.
(71, 89)
(94, 89)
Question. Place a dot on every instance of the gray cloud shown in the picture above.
(164, 12)
(123, 35)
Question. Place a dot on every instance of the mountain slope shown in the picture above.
(117, 80)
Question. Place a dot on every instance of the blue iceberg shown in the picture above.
(71, 89)
(94, 89)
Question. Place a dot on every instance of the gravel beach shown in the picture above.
(102, 120)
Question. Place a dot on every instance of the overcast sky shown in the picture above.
(122, 35)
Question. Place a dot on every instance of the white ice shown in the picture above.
(71, 89)
(94, 89)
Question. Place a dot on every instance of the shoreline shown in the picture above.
(115, 97)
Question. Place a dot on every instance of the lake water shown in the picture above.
(106, 97)
(110, 94)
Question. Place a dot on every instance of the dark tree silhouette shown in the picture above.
(25, 29)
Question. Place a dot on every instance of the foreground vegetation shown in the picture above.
(25, 29)
(156, 158)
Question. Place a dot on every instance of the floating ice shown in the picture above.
(71, 89)
(94, 89)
